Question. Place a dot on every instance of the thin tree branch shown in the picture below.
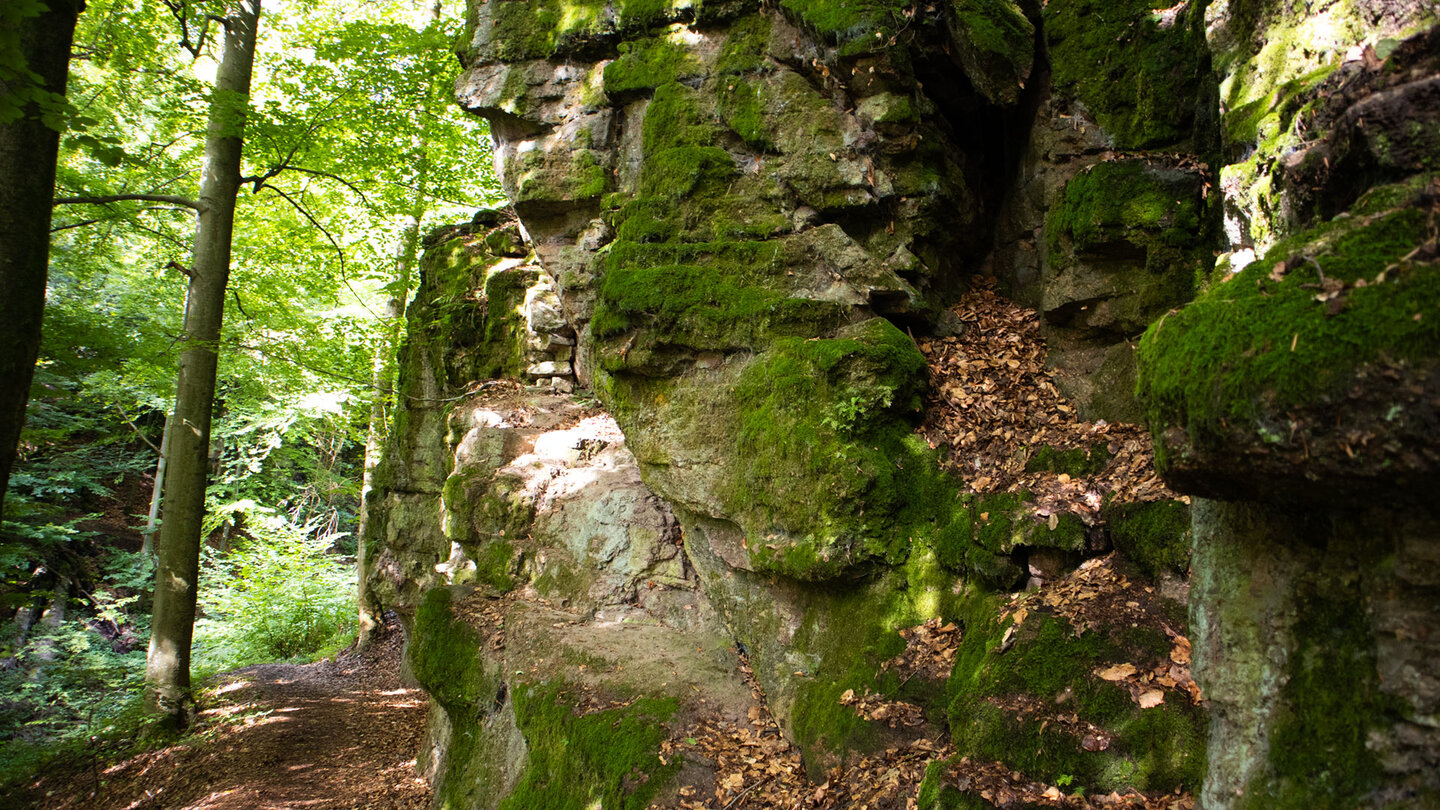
(239, 305)
(342, 181)
(344, 276)
(110, 198)
(131, 423)
(85, 222)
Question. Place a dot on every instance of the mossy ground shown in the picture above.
(1052, 671)
(1253, 345)
(847, 633)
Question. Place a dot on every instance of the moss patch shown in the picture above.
(446, 659)
(997, 45)
(543, 28)
(1253, 345)
(648, 63)
(1141, 72)
(834, 413)
(576, 761)
(1319, 755)
(1051, 669)
(1075, 462)
(1155, 535)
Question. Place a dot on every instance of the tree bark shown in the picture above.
(167, 666)
(152, 520)
(28, 150)
(383, 380)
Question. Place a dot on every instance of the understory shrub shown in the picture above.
(280, 594)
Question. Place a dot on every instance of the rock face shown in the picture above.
(743, 215)
(1298, 396)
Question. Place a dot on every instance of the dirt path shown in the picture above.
(336, 734)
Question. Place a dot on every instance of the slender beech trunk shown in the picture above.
(152, 520)
(382, 381)
(28, 150)
(167, 667)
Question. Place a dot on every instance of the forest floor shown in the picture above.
(341, 733)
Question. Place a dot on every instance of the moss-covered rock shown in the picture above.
(996, 45)
(1140, 67)
(1125, 242)
(1029, 694)
(1155, 534)
(578, 760)
(1264, 383)
(1307, 633)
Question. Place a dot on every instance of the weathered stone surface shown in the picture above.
(1309, 638)
(745, 210)
(1273, 63)
(1301, 388)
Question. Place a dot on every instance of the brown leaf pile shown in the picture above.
(1098, 595)
(993, 402)
(929, 650)
(876, 709)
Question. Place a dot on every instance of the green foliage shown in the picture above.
(280, 594)
(71, 693)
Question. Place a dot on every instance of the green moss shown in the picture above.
(1253, 345)
(742, 107)
(1075, 462)
(996, 43)
(495, 564)
(745, 45)
(866, 23)
(1143, 79)
(700, 308)
(575, 761)
(648, 63)
(544, 28)
(1269, 117)
(1049, 666)
(1127, 201)
(847, 633)
(545, 177)
(446, 659)
(1155, 535)
(834, 413)
(1153, 219)
(1319, 756)
(674, 118)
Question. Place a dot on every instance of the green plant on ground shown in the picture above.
(279, 595)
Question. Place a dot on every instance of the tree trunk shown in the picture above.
(152, 520)
(383, 379)
(167, 668)
(28, 150)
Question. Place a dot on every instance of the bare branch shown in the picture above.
(344, 276)
(110, 198)
(239, 305)
(82, 223)
(131, 423)
(342, 181)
